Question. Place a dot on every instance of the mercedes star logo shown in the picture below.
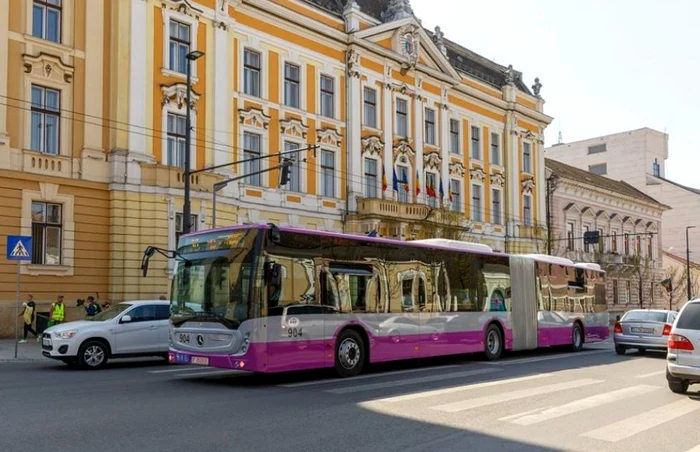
(200, 340)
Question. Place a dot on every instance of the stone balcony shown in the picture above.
(173, 177)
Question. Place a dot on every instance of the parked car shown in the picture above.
(126, 330)
(643, 329)
(683, 358)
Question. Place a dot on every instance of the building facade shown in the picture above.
(399, 130)
(628, 223)
(639, 158)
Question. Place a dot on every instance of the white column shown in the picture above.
(541, 184)
(512, 170)
(94, 64)
(418, 112)
(354, 139)
(388, 140)
(223, 99)
(4, 32)
(445, 152)
(137, 76)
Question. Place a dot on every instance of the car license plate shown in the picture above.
(46, 342)
(182, 359)
(642, 330)
(200, 361)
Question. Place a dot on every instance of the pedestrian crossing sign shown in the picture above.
(19, 248)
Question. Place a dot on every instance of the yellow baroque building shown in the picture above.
(401, 132)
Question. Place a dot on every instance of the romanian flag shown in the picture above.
(667, 284)
(385, 184)
(430, 189)
(450, 195)
(417, 183)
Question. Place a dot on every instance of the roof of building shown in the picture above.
(684, 187)
(579, 175)
(682, 260)
(461, 58)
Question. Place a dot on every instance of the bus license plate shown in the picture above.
(200, 361)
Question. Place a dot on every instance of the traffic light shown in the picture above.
(286, 172)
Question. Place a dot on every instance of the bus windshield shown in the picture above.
(215, 279)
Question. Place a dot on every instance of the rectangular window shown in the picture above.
(454, 136)
(638, 245)
(47, 231)
(476, 203)
(295, 171)
(570, 228)
(46, 128)
(495, 149)
(616, 292)
(456, 195)
(401, 118)
(476, 146)
(656, 169)
(586, 246)
(179, 226)
(371, 178)
(327, 97)
(251, 72)
(627, 244)
(597, 149)
(292, 79)
(613, 241)
(651, 291)
(527, 158)
(650, 247)
(430, 126)
(251, 150)
(527, 210)
(629, 291)
(600, 169)
(177, 125)
(601, 241)
(496, 213)
(370, 107)
(46, 20)
(404, 186)
(328, 173)
(431, 189)
(180, 42)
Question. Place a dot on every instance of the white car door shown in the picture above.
(162, 322)
(138, 335)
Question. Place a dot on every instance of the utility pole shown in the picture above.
(187, 207)
(687, 261)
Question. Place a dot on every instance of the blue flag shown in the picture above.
(442, 192)
(395, 184)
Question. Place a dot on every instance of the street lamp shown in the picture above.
(687, 260)
(187, 208)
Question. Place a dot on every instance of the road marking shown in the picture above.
(652, 374)
(694, 449)
(545, 358)
(410, 381)
(465, 405)
(645, 421)
(181, 369)
(470, 387)
(363, 377)
(230, 372)
(580, 405)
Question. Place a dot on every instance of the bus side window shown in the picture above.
(329, 290)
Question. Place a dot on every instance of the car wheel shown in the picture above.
(620, 349)
(493, 343)
(678, 386)
(349, 354)
(92, 355)
(577, 338)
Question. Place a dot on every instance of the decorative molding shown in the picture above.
(432, 161)
(177, 92)
(528, 185)
(293, 127)
(183, 7)
(329, 136)
(403, 148)
(458, 169)
(372, 145)
(352, 60)
(254, 118)
(477, 174)
(407, 44)
(498, 180)
(47, 64)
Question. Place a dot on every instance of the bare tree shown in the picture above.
(679, 283)
(441, 222)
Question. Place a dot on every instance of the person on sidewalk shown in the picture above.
(57, 312)
(92, 308)
(28, 314)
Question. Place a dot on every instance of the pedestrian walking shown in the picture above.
(92, 308)
(57, 312)
(28, 316)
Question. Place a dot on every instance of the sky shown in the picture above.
(605, 66)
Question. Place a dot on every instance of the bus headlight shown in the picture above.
(245, 343)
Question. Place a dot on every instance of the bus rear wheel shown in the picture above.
(577, 338)
(493, 343)
(349, 354)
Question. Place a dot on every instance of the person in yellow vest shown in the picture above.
(28, 314)
(57, 312)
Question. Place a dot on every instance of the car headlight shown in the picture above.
(67, 334)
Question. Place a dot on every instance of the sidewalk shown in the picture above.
(31, 351)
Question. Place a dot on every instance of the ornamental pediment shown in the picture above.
(50, 67)
(498, 180)
(329, 136)
(403, 148)
(177, 94)
(432, 161)
(372, 145)
(252, 117)
(528, 185)
(477, 174)
(457, 169)
(293, 128)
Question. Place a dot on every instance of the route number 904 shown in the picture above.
(295, 332)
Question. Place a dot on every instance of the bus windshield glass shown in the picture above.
(215, 278)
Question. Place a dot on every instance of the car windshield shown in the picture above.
(690, 318)
(645, 316)
(214, 280)
(110, 313)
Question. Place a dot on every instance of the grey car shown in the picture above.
(643, 329)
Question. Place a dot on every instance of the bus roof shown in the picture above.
(589, 266)
(547, 259)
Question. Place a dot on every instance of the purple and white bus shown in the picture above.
(267, 299)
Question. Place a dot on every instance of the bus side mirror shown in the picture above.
(273, 274)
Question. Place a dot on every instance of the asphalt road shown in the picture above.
(590, 401)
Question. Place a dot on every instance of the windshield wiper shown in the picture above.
(206, 317)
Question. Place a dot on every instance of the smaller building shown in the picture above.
(676, 270)
(627, 223)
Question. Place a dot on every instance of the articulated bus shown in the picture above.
(269, 299)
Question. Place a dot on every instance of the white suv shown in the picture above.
(683, 358)
(126, 330)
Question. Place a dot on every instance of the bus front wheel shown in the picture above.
(349, 354)
(493, 343)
